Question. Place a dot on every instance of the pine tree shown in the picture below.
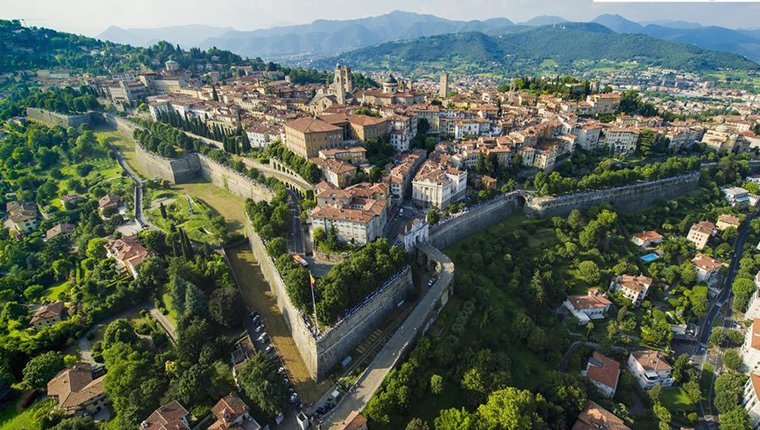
(162, 208)
(195, 301)
(214, 95)
(177, 293)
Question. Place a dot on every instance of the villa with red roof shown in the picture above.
(603, 372)
(589, 306)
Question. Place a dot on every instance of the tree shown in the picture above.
(743, 289)
(680, 365)
(735, 419)
(732, 359)
(417, 424)
(663, 415)
(436, 384)
(693, 391)
(226, 307)
(277, 247)
(590, 272)
(96, 248)
(193, 335)
(193, 383)
(118, 331)
(655, 394)
(262, 384)
(728, 391)
(195, 301)
(512, 409)
(432, 217)
(455, 419)
(42, 368)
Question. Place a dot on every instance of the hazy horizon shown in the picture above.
(92, 17)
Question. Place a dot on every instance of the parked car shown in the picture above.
(269, 349)
(259, 328)
(262, 337)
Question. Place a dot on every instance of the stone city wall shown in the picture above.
(323, 351)
(232, 180)
(339, 341)
(54, 118)
(628, 198)
(474, 220)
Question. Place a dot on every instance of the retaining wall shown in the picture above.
(231, 180)
(322, 352)
(629, 198)
(54, 118)
(474, 220)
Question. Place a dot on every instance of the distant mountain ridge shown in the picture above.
(327, 38)
(565, 45)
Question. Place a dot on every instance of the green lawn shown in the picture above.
(172, 315)
(192, 214)
(52, 293)
(675, 399)
(26, 419)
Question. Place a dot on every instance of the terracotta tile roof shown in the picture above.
(705, 262)
(755, 378)
(705, 227)
(603, 370)
(311, 125)
(355, 421)
(46, 312)
(595, 417)
(651, 360)
(729, 219)
(127, 250)
(755, 342)
(228, 410)
(648, 236)
(59, 229)
(167, 417)
(592, 300)
(74, 386)
(635, 283)
(108, 200)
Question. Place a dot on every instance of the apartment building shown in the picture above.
(357, 214)
(307, 136)
(437, 184)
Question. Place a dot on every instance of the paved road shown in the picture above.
(386, 359)
(165, 323)
(701, 355)
(295, 227)
(138, 188)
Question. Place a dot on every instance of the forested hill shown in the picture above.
(564, 47)
(23, 48)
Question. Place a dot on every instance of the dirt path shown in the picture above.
(260, 298)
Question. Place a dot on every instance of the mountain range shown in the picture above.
(564, 47)
(328, 38)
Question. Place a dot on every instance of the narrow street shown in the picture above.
(701, 354)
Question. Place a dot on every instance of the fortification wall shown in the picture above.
(629, 198)
(304, 340)
(337, 343)
(474, 220)
(54, 118)
(232, 180)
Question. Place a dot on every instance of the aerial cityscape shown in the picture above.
(402, 216)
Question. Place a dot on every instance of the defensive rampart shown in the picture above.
(321, 352)
(628, 198)
(54, 118)
(475, 219)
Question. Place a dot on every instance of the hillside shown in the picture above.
(187, 36)
(23, 48)
(562, 47)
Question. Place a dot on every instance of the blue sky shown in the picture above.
(90, 17)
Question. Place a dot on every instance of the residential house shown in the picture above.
(589, 306)
(63, 230)
(751, 399)
(645, 239)
(48, 315)
(232, 413)
(357, 214)
(700, 233)
(603, 372)
(171, 416)
(437, 184)
(21, 216)
(128, 253)
(634, 288)
(336, 172)
(77, 392)
(751, 347)
(736, 196)
(108, 202)
(649, 368)
(727, 221)
(354, 421)
(707, 268)
(595, 417)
